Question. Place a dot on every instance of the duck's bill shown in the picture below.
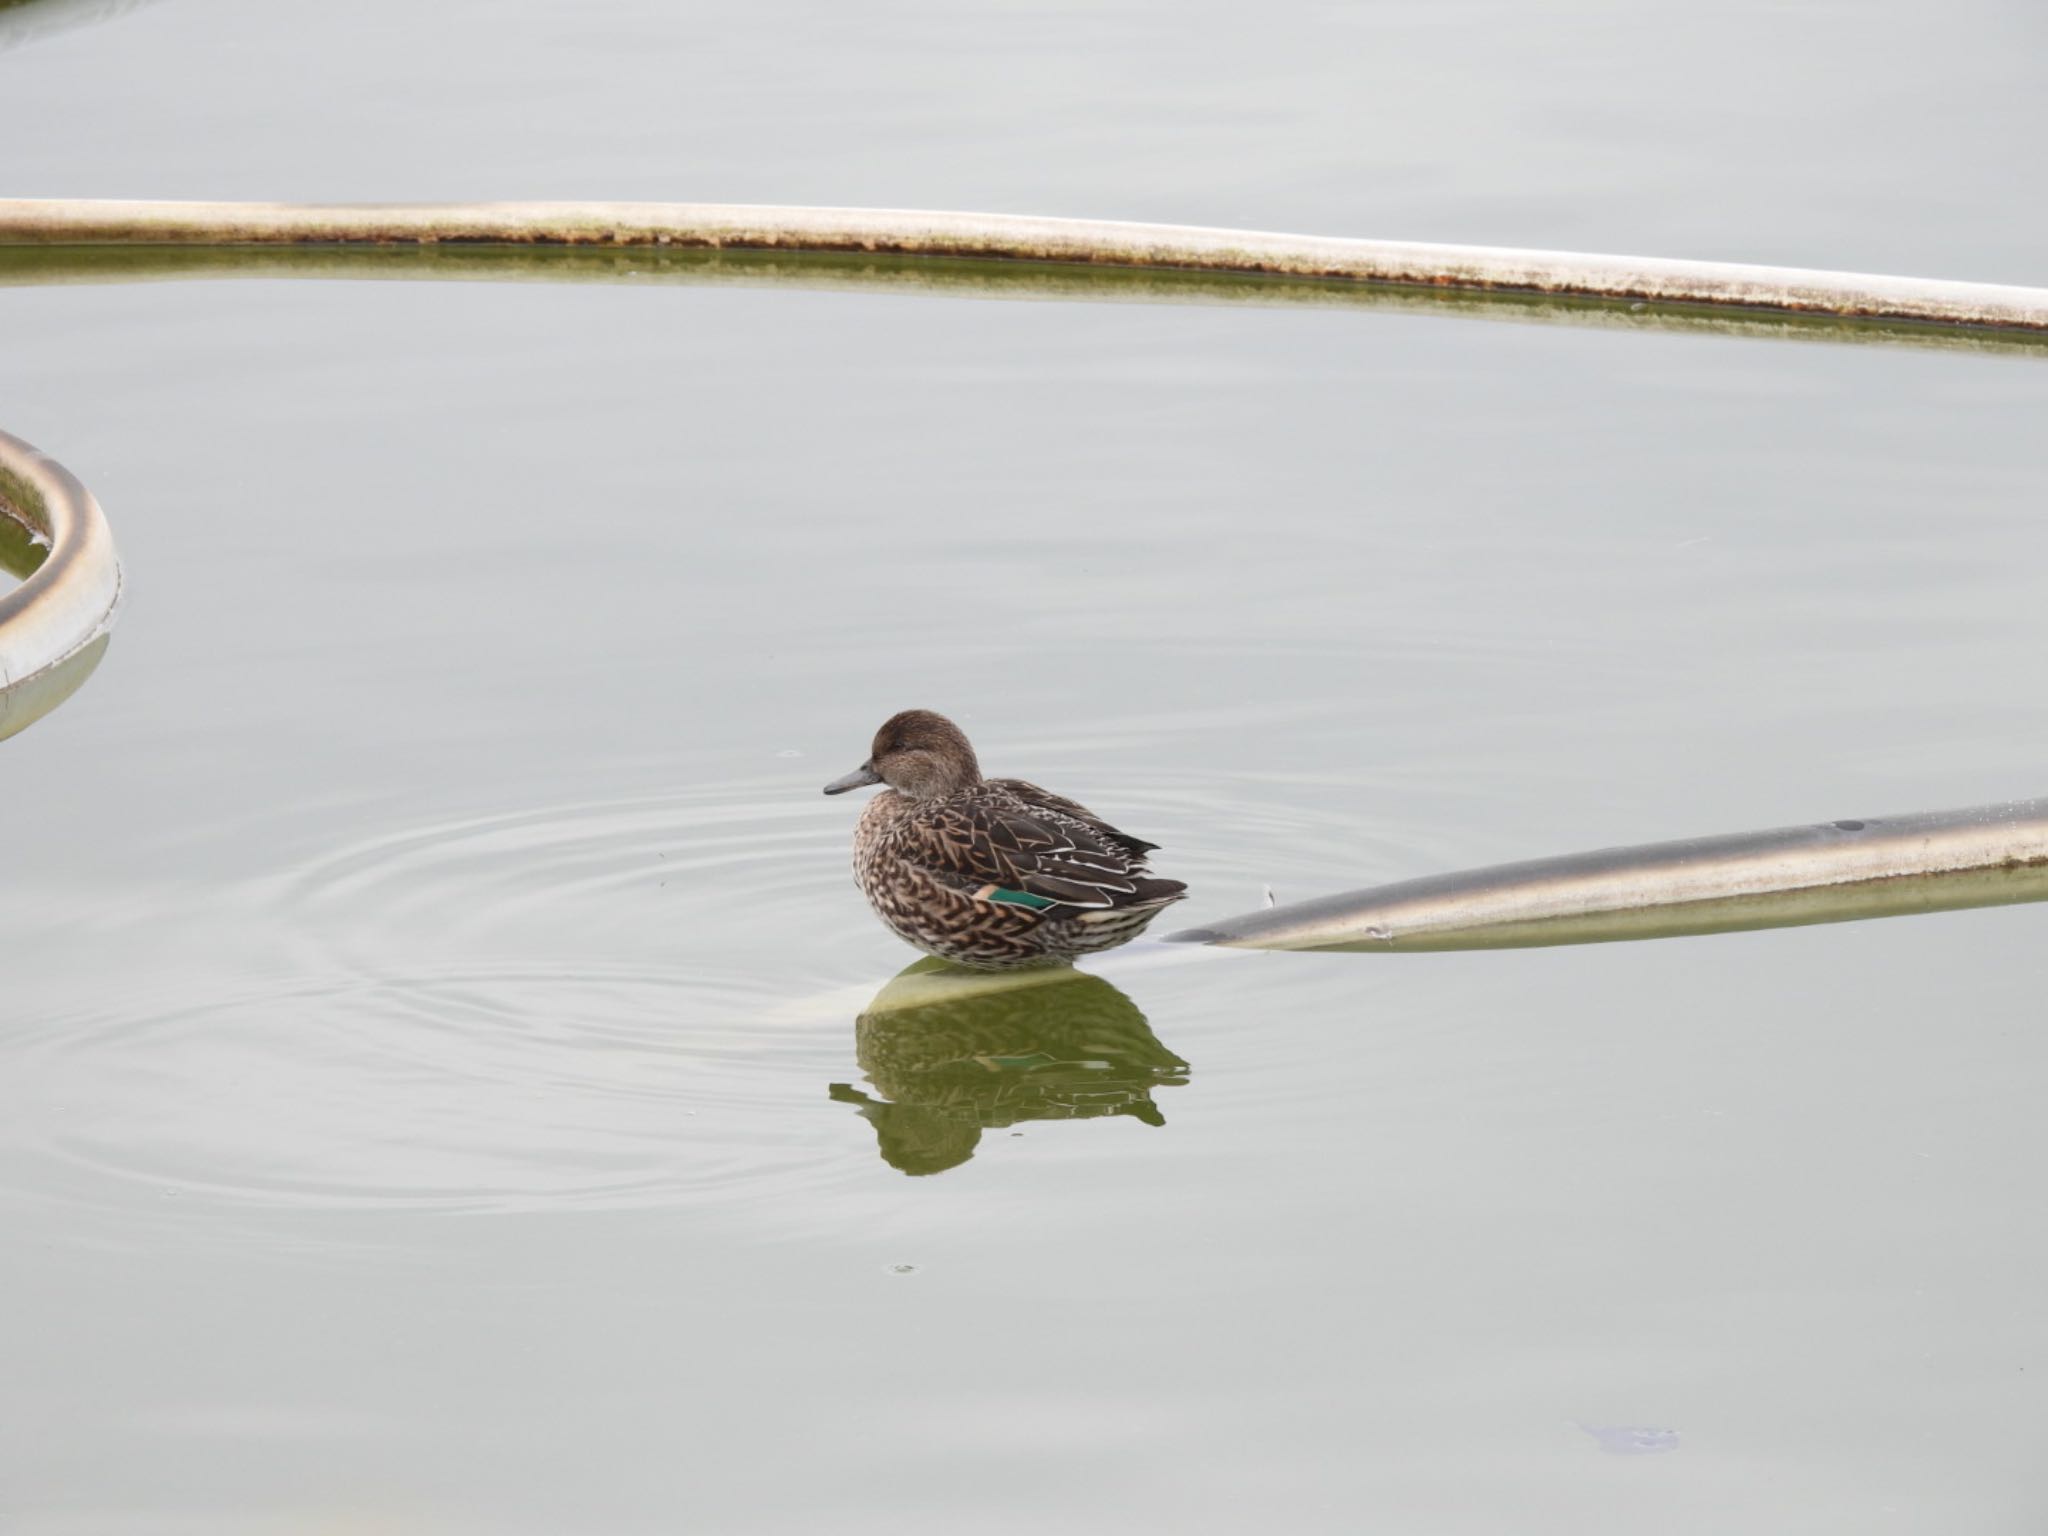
(860, 776)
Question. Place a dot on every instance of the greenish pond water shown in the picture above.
(20, 552)
(450, 1081)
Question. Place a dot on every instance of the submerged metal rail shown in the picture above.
(54, 626)
(1832, 872)
(1004, 237)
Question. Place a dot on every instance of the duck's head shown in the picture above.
(922, 754)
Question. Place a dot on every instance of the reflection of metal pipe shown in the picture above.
(24, 21)
(1834, 872)
(860, 231)
(953, 278)
(53, 627)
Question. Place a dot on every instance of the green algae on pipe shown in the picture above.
(959, 278)
(1831, 872)
(54, 626)
(716, 226)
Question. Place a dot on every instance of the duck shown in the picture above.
(990, 874)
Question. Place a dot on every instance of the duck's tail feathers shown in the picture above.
(1150, 896)
(1154, 892)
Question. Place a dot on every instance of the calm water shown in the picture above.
(449, 1083)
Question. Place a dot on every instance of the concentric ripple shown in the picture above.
(706, 870)
(621, 1003)
(494, 1088)
(579, 1006)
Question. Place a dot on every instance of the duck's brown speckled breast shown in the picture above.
(926, 909)
(876, 818)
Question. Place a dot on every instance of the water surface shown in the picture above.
(451, 1083)
(21, 552)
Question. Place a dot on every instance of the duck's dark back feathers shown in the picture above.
(1019, 837)
(1031, 794)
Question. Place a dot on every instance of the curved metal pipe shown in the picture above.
(1832, 872)
(54, 626)
(717, 226)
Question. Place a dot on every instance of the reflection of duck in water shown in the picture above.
(953, 1053)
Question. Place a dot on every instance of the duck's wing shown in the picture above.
(1031, 794)
(1016, 851)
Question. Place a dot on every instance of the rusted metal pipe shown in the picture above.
(54, 626)
(1650, 280)
(1831, 872)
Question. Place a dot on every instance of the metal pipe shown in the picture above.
(22, 265)
(1832, 872)
(54, 626)
(1650, 280)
